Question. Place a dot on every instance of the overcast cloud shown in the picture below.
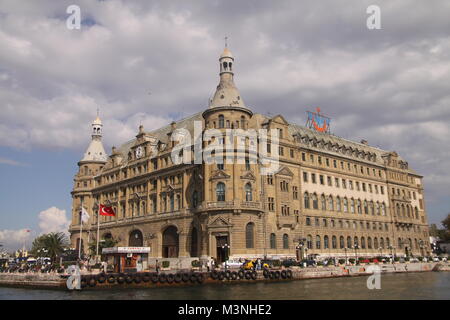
(151, 62)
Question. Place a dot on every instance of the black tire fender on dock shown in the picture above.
(162, 278)
(101, 277)
(170, 278)
(111, 279)
(221, 275)
(193, 277)
(254, 275)
(154, 277)
(83, 282)
(185, 277)
(121, 278)
(92, 282)
(178, 277)
(214, 275)
(128, 279)
(241, 274)
(137, 278)
(289, 274)
(228, 275)
(248, 275)
(146, 277)
(234, 275)
(200, 277)
(277, 274)
(272, 275)
(283, 274)
(266, 273)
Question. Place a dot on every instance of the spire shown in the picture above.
(95, 151)
(226, 95)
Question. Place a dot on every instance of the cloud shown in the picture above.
(53, 220)
(14, 239)
(11, 162)
(388, 86)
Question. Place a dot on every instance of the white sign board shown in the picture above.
(126, 250)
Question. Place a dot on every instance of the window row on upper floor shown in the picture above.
(331, 203)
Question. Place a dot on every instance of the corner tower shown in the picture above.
(89, 166)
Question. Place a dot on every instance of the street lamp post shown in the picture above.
(421, 246)
(346, 259)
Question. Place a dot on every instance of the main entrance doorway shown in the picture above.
(170, 243)
(222, 250)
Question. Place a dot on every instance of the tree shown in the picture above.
(50, 245)
(446, 223)
(105, 243)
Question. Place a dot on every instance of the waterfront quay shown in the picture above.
(98, 281)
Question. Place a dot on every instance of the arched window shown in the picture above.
(349, 242)
(416, 212)
(341, 242)
(325, 242)
(366, 207)
(359, 206)
(355, 242)
(306, 200)
(136, 239)
(400, 243)
(323, 202)
(352, 205)
(334, 242)
(375, 243)
(249, 235)
(220, 191)
(195, 199)
(317, 242)
(338, 204)
(345, 205)
(248, 192)
(309, 241)
(398, 210)
(388, 243)
(408, 211)
(315, 201)
(285, 241)
(242, 122)
(383, 208)
(363, 243)
(221, 121)
(273, 241)
(382, 243)
(172, 202)
(369, 243)
(330, 203)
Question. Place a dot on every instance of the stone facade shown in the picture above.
(327, 195)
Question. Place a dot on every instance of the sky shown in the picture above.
(152, 62)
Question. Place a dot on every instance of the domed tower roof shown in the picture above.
(96, 152)
(227, 95)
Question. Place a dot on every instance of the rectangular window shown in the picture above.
(322, 182)
(336, 182)
(335, 164)
(305, 176)
(269, 150)
(291, 153)
(281, 151)
(303, 156)
(313, 177)
(329, 181)
(319, 159)
(382, 190)
(327, 162)
(344, 184)
(364, 187)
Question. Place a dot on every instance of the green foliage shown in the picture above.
(341, 261)
(276, 263)
(351, 260)
(49, 245)
(165, 264)
(105, 243)
(195, 263)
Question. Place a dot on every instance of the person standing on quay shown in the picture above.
(157, 266)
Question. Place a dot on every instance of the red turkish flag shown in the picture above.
(107, 211)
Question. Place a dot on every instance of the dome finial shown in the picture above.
(226, 41)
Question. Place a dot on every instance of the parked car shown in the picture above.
(413, 260)
(436, 259)
(289, 263)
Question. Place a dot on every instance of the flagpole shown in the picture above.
(98, 227)
(81, 233)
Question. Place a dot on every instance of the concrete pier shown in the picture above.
(58, 281)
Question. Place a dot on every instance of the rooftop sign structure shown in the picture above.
(126, 250)
(318, 122)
